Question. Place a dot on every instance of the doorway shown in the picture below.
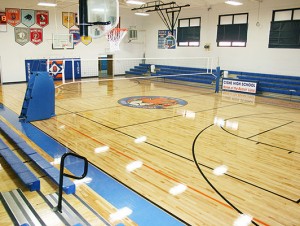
(105, 66)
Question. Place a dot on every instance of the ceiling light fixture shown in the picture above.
(135, 2)
(141, 14)
(49, 4)
(235, 3)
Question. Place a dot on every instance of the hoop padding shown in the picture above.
(115, 37)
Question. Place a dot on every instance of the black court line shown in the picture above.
(190, 160)
(270, 129)
(205, 178)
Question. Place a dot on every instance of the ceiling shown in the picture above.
(123, 4)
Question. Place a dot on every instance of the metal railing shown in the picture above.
(62, 174)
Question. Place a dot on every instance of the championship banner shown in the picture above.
(68, 19)
(42, 18)
(28, 17)
(13, 16)
(22, 35)
(36, 35)
(3, 22)
(76, 36)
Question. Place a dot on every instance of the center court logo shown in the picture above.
(152, 102)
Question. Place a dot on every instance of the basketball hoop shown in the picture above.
(115, 37)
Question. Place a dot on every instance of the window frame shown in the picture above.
(233, 43)
(189, 43)
(282, 34)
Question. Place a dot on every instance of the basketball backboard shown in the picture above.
(97, 17)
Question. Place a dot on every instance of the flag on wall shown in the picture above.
(68, 19)
(3, 22)
(166, 40)
(28, 17)
(22, 35)
(36, 35)
(13, 16)
(42, 18)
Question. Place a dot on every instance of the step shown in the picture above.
(69, 215)
(19, 208)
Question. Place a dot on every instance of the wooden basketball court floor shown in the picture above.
(256, 139)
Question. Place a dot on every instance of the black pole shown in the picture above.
(83, 18)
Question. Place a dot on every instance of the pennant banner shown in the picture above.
(42, 18)
(22, 35)
(86, 40)
(68, 19)
(76, 36)
(36, 35)
(28, 17)
(13, 16)
(3, 22)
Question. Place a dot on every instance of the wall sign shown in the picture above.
(68, 19)
(239, 86)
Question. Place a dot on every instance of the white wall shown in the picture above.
(255, 57)
(13, 55)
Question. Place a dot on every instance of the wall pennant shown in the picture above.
(42, 18)
(76, 36)
(28, 17)
(36, 35)
(13, 16)
(86, 40)
(22, 35)
(3, 23)
(68, 19)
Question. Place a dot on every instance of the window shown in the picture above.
(285, 29)
(189, 32)
(232, 30)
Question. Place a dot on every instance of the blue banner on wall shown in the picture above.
(56, 67)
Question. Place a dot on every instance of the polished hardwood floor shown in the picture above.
(256, 139)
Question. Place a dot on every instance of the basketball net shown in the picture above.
(115, 37)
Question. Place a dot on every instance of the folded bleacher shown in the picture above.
(188, 74)
(283, 84)
(35, 157)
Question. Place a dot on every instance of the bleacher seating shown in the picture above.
(189, 74)
(283, 84)
(40, 162)
(23, 172)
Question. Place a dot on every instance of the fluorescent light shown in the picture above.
(235, 3)
(142, 14)
(47, 4)
(135, 2)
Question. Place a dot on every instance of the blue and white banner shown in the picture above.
(239, 86)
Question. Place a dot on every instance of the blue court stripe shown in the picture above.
(144, 212)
